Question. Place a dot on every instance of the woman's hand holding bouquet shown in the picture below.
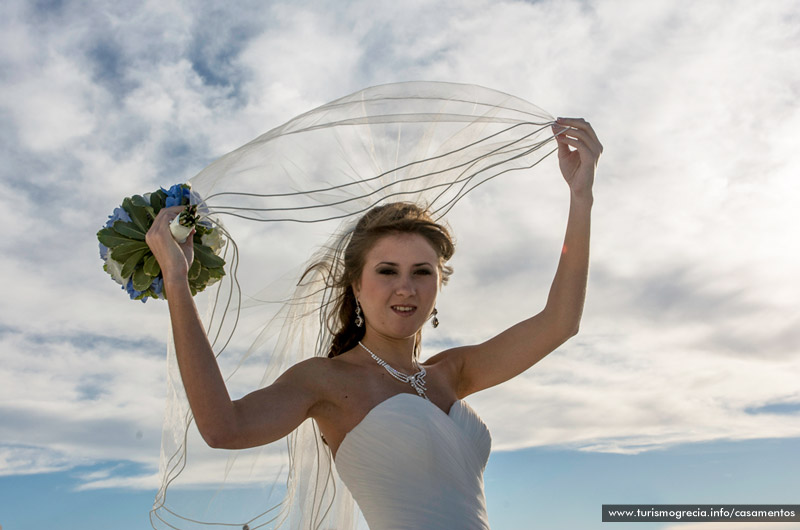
(134, 245)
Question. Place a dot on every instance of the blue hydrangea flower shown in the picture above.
(176, 194)
(133, 293)
(119, 214)
(158, 285)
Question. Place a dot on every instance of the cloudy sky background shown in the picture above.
(682, 385)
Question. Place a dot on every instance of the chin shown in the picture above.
(404, 332)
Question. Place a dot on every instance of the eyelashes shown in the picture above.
(420, 272)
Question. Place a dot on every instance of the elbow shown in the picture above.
(220, 430)
(572, 325)
(218, 438)
(565, 324)
(214, 440)
(568, 332)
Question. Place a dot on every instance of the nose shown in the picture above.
(405, 286)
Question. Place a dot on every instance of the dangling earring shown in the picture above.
(435, 320)
(359, 320)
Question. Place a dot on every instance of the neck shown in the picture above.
(399, 353)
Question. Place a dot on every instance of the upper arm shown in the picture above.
(270, 413)
(506, 355)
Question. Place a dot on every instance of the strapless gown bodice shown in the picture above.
(411, 466)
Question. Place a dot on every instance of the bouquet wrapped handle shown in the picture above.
(184, 223)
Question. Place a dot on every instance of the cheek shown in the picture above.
(430, 285)
(373, 286)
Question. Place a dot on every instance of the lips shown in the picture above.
(404, 310)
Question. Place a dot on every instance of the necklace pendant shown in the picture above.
(417, 381)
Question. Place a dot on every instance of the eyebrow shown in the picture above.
(396, 265)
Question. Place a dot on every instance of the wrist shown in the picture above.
(174, 283)
(582, 197)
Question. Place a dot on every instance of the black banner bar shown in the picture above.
(673, 513)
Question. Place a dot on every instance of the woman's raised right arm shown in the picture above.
(259, 418)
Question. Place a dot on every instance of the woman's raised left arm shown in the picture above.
(578, 166)
(523, 345)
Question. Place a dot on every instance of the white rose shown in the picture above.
(214, 240)
(114, 268)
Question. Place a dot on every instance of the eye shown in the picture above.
(386, 271)
(424, 272)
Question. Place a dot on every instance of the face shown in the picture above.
(398, 285)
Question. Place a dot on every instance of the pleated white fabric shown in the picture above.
(411, 466)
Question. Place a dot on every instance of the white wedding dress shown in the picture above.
(411, 466)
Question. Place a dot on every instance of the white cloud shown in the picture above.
(691, 316)
(21, 460)
(79, 398)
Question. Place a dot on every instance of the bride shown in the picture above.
(406, 445)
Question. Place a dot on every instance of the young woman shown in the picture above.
(408, 448)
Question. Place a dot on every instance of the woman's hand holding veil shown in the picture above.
(577, 166)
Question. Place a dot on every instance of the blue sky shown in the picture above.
(530, 488)
(682, 385)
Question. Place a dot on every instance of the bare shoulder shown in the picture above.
(308, 368)
(321, 377)
(313, 375)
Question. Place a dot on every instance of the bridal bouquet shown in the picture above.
(128, 259)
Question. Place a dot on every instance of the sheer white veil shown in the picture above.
(424, 142)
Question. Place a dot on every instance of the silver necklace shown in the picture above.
(417, 381)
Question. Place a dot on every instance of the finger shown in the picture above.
(160, 227)
(571, 122)
(166, 215)
(574, 142)
(171, 211)
(189, 242)
(558, 134)
(589, 140)
(580, 123)
(584, 152)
